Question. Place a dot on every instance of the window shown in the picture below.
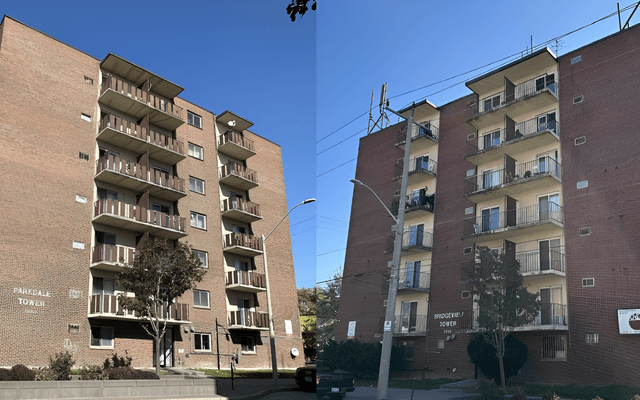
(196, 151)
(101, 336)
(490, 179)
(203, 257)
(553, 347)
(194, 119)
(578, 99)
(547, 122)
(198, 220)
(412, 275)
(196, 185)
(200, 298)
(584, 231)
(465, 294)
(546, 81)
(237, 229)
(160, 208)
(408, 316)
(588, 282)
(491, 102)
(416, 235)
(591, 338)
(581, 140)
(248, 344)
(202, 341)
(491, 139)
(490, 219)
(103, 286)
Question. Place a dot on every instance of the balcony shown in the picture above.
(137, 102)
(130, 175)
(111, 257)
(242, 244)
(106, 306)
(246, 281)
(515, 138)
(539, 174)
(420, 168)
(414, 281)
(138, 219)
(539, 219)
(238, 176)
(407, 325)
(531, 95)
(140, 139)
(241, 210)
(421, 139)
(552, 316)
(236, 145)
(423, 202)
(542, 263)
(248, 320)
(413, 241)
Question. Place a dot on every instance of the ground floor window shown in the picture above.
(202, 341)
(407, 348)
(554, 347)
(248, 344)
(102, 336)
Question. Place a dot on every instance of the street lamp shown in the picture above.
(272, 335)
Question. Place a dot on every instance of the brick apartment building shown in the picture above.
(95, 154)
(541, 160)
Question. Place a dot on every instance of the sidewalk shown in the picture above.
(462, 390)
(247, 389)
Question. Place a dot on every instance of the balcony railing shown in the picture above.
(241, 173)
(246, 278)
(107, 253)
(407, 325)
(549, 314)
(108, 305)
(248, 319)
(137, 131)
(552, 260)
(243, 240)
(432, 132)
(140, 95)
(139, 214)
(241, 205)
(426, 202)
(134, 170)
(516, 218)
(518, 92)
(542, 166)
(419, 164)
(237, 138)
(412, 240)
(419, 281)
(522, 130)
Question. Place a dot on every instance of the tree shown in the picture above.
(328, 300)
(307, 308)
(503, 303)
(483, 355)
(299, 7)
(157, 276)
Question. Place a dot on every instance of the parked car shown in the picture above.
(306, 377)
(333, 384)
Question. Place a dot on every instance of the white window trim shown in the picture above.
(194, 342)
(191, 152)
(193, 119)
(205, 264)
(113, 340)
(208, 306)
(197, 215)
(253, 344)
(196, 180)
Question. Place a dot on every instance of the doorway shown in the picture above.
(166, 349)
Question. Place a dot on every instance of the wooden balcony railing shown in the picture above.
(249, 319)
(241, 205)
(112, 253)
(141, 132)
(232, 168)
(141, 95)
(139, 214)
(243, 240)
(248, 278)
(132, 169)
(107, 304)
(237, 138)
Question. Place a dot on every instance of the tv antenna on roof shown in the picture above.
(383, 113)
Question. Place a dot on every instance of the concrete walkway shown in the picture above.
(462, 390)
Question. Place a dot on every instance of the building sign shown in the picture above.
(31, 298)
(351, 332)
(629, 322)
(449, 317)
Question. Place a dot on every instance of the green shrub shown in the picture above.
(490, 391)
(93, 373)
(549, 395)
(5, 374)
(45, 374)
(129, 373)
(519, 394)
(483, 354)
(60, 365)
(147, 375)
(361, 359)
(116, 362)
(20, 372)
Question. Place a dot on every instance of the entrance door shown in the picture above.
(549, 207)
(552, 311)
(243, 310)
(549, 255)
(241, 267)
(166, 349)
(409, 316)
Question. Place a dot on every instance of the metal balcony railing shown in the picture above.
(247, 278)
(516, 218)
(237, 138)
(412, 239)
(407, 325)
(113, 253)
(414, 280)
(490, 140)
(519, 92)
(551, 260)
(541, 166)
(418, 164)
(426, 202)
(431, 132)
(132, 129)
(248, 319)
(549, 314)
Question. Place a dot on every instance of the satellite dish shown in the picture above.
(232, 123)
(295, 352)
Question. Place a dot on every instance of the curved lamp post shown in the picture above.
(272, 340)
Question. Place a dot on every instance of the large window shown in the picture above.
(196, 151)
(491, 139)
(553, 347)
(204, 257)
(248, 344)
(194, 119)
(196, 185)
(102, 336)
(202, 341)
(200, 298)
(490, 219)
(198, 220)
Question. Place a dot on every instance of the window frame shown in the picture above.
(195, 342)
(197, 215)
(191, 121)
(200, 293)
(205, 264)
(251, 344)
(196, 180)
(101, 338)
(191, 151)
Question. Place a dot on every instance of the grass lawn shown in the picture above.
(583, 392)
(426, 384)
(257, 374)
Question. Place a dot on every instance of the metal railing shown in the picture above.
(531, 262)
(248, 318)
(521, 91)
(113, 253)
(237, 138)
(531, 126)
(241, 205)
(232, 168)
(409, 325)
(416, 280)
(426, 202)
(139, 214)
(243, 240)
(541, 166)
(132, 129)
(134, 170)
(247, 278)
(432, 132)
(552, 314)
(519, 217)
(141, 95)
(418, 164)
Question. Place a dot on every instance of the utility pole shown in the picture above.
(389, 319)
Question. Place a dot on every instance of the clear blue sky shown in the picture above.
(245, 56)
(409, 45)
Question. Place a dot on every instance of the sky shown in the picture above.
(244, 56)
(301, 82)
(411, 44)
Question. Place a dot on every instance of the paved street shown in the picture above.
(290, 395)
